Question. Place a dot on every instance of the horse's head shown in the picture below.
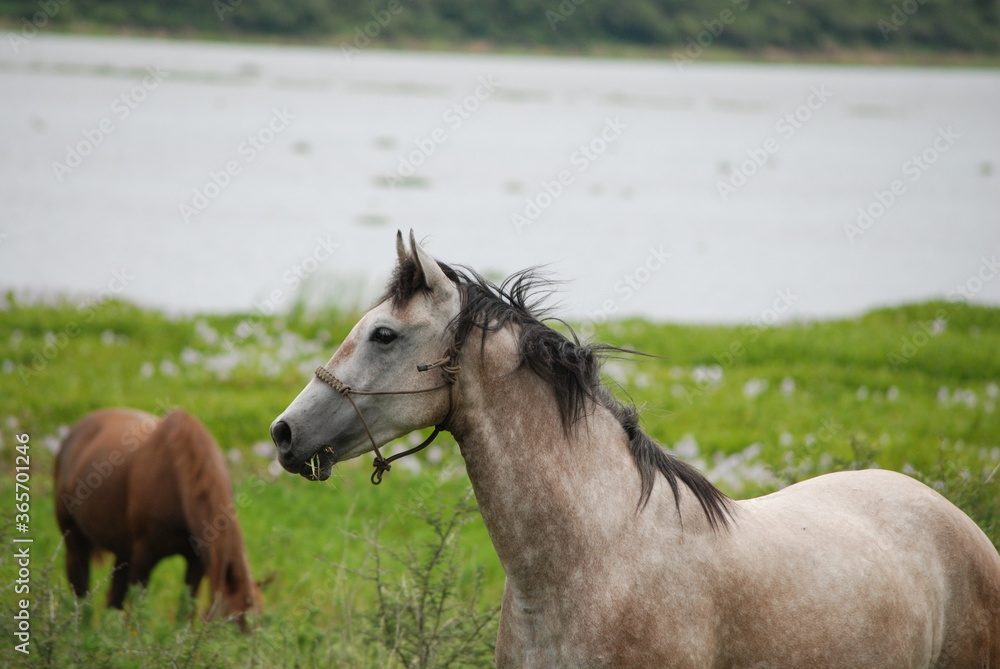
(373, 390)
(239, 599)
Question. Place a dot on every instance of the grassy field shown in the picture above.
(404, 574)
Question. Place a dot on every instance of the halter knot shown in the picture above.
(381, 466)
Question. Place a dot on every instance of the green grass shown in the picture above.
(911, 388)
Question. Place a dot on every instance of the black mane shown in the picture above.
(571, 368)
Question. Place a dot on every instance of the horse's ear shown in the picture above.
(400, 248)
(428, 271)
(267, 580)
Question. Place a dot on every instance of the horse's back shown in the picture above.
(97, 434)
(900, 513)
(198, 479)
(92, 471)
(887, 560)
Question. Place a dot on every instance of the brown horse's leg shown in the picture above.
(142, 563)
(192, 577)
(119, 583)
(78, 550)
(195, 572)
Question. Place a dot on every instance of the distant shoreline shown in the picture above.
(833, 55)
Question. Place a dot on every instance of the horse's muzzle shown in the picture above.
(281, 434)
(316, 467)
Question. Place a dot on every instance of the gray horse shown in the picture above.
(608, 565)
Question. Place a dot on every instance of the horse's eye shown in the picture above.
(383, 335)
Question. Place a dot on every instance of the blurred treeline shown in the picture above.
(747, 25)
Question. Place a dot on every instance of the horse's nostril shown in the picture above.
(282, 435)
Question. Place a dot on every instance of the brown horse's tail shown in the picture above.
(207, 503)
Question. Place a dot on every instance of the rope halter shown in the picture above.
(449, 373)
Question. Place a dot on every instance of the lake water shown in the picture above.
(198, 176)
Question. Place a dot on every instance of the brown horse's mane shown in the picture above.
(206, 496)
(572, 369)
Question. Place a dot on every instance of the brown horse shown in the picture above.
(143, 489)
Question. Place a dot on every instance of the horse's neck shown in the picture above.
(562, 511)
(224, 557)
(208, 507)
(224, 554)
(549, 497)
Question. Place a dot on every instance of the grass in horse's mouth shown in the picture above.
(316, 464)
